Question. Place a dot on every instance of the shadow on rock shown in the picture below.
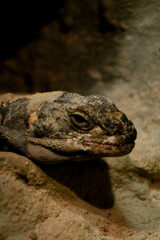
(90, 180)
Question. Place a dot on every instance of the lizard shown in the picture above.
(55, 126)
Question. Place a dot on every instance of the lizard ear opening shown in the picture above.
(80, 122)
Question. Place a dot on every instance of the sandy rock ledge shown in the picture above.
(35, 206)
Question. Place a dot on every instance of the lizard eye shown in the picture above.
(80, 122)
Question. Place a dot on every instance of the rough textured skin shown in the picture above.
(56, 126)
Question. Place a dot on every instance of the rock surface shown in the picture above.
(95, 47)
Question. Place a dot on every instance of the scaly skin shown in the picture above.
(57, 126)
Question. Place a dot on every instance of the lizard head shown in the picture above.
(78, 127)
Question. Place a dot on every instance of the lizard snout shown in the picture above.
(118, 124)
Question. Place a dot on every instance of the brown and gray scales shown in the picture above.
(57, 126)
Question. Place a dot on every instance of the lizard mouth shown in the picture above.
(79, 147)
(106, 150)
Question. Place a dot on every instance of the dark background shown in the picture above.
(61, 45)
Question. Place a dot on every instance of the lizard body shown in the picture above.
(57, 126)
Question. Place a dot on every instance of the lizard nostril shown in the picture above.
(113, 126)
(124, 119)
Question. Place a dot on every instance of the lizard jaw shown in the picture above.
(72, 148)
